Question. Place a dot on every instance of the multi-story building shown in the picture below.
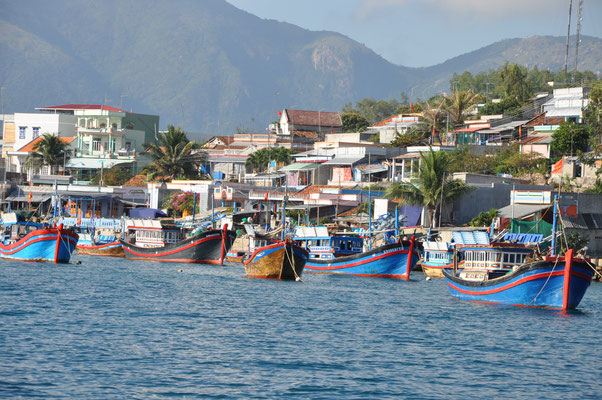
(106, 136)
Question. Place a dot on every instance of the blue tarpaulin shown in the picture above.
(146, 213)
(412, 214)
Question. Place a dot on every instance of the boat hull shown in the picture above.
(541, 284)
(284, 261)
(434, 271)
(390, 261)
(208, 247)
(53, 244)
(114, 249)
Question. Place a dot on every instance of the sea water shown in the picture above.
(117, 329)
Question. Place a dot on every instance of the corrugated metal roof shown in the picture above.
(95, 163)
(344, 160)
(300, 167)
(521, 210)
(564, 112)
(470, 237)
(583, 221)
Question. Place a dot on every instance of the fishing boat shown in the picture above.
(208, 247)
(394, 260)
(322, 246)
(105, 245)
(51, 244)
(235, 256)
(552, 282)
(282, 260)
(436, 257)
(514, 274)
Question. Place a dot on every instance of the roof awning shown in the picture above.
(564, 112)
(344, 160)
(299, 167)
(35, 198)
(373, 169)
(521, 210)
(95, 163)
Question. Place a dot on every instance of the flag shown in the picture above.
(332, 130)
(266, 197)
(29, 197)
(279, 113)
(412, 106)
(557, 168)
(433, 131)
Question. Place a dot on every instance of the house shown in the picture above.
(106, 136)
(571, 171)
(567, 104)
(298, 121)
(31, 147)
(389, 128)
(21, 129)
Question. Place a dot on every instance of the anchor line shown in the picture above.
(545, 283)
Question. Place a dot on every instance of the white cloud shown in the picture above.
(488, 9)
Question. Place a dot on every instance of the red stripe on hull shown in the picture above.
(313, 267)
(179, 260)
(146, 256)
(511, 285)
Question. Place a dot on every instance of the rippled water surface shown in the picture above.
(111, 328)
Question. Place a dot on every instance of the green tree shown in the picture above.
(458, 103)
(484, 218)
(115, 176)
(173, 155)
(411, 138)
(50, 151)
(510, 105)
(593, 118)
(514, 80)
(569, 139)
(353, 122)
(373, 110)
(426, 188)
(259, 160)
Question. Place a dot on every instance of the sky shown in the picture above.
(421, 33)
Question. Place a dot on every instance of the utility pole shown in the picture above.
(568, 35)
(577, 40)
(121, 100)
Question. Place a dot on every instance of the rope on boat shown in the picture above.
(292, 262)
(593, 267)
(545, 283)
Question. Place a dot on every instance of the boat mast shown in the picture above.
(369, 210)
(554, 223)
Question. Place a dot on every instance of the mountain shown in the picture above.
(545, 52)
(211, 67)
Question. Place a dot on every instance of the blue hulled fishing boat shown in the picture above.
(516, 275)
(389, 261)
(553, 282)
(51, 244)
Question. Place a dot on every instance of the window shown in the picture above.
(22, 130)
(96, 144)
(36, 132)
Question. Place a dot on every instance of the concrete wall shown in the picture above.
(483, 198)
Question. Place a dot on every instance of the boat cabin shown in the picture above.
(437, 253)
(316, 240)
(152, 233)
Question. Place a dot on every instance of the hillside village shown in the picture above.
(100, 161)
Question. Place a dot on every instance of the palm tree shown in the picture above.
(458, 103)
(173, 156)
(260, 159)
(427, 187)
(50, 150)
(431, 115)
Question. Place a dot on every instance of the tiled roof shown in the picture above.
(137, 181)
(306, 134)
(29, 147)
(544, 139)
(82, 107)
(315, 118)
